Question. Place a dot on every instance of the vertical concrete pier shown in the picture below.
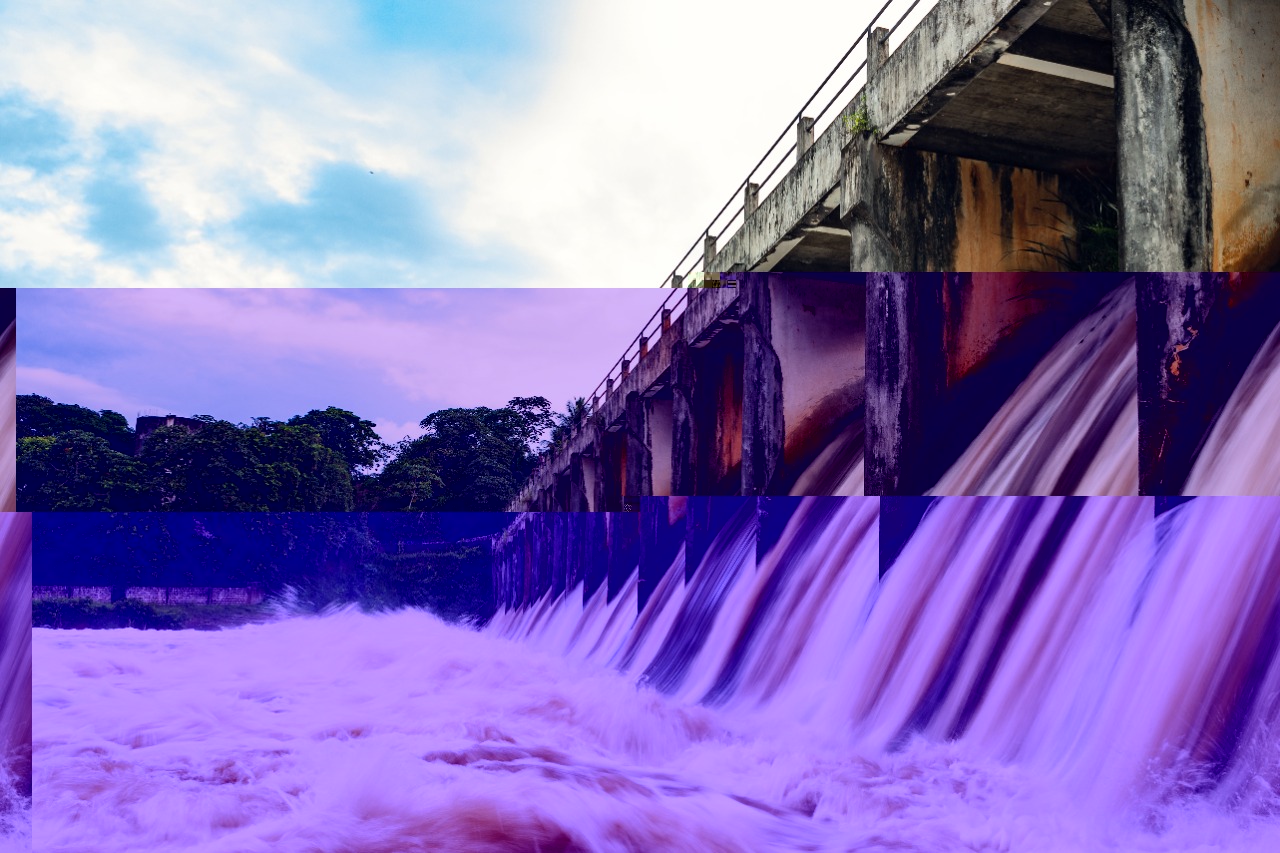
(1197, 334)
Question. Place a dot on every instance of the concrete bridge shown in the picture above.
(744, 389)
(1021, 137)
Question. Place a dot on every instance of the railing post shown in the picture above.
(677, 280)
(750, 199)
(644, 346)
(608, 386)
(804, 136)
(666, 319)
(877, 50)
(708, 253)
(626, 368)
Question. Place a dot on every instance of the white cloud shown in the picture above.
(606, 161)
(64, 387)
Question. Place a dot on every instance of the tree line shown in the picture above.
(440, 561)
(71, 458)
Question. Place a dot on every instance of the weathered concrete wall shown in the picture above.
(717, 405)
(183, 595)
(818, 335)
(658, 423)
(916, 211)
(1163, 159)
(1238, 46)
(1197, 333)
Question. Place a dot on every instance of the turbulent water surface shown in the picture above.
(1033, 674)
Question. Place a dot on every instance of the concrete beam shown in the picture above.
(946, 51)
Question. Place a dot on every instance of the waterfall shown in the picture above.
(1072, 426)
(1238, 457)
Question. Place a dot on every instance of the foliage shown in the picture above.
(328, 460)
(860, 120)
(77, 471)
(1089, 232)
(570, 421)
(40, 416)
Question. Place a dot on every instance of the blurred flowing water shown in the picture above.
(1070, 428)
(1239, 455)
(15, 681)
(1031, 674)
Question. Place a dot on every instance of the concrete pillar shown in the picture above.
(763, 430)
(624, 548)
(899, 518)
(774, 513)
(658, 432)
(639, 460)
(877, 50)
(596, 558)
(906, 371)
(1197, 334)
(750, 199)
(662, 532)
(804, 136)
(1164, 184)
(684, 425)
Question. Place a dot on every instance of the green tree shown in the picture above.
(40, 416)
(77, 471)
(354, 438)
(482, 456)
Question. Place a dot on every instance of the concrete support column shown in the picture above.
(906, 371)
(662, 531)
(1197, 334)
(1163, 163)
(639, 461)
(684, 426)
(899, 518)
(774, 514)
(763, 429)
(596, 548)
(623, 548)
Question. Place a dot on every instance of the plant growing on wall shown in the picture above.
(1088, 229)
(859, 121)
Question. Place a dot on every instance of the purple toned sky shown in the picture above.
(393, 356)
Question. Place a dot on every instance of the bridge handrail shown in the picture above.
(681, 296)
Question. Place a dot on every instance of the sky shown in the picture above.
(390, 355)
(388, 143)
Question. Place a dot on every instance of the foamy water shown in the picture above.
(837, 716)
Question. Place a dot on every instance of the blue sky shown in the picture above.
(393, 356)
(392, 143)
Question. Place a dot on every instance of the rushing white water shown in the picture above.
(1032, 674)
(15, 681)
(1072, 426)
(1239, 457)
(838, 469)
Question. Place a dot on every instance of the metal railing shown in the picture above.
(693, 261)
